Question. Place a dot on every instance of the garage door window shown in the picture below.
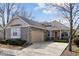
(15, 32)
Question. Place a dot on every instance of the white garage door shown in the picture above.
(37, 35)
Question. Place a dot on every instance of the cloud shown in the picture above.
(42, 5)
(39, 6)
(45, 8)
(47, 11)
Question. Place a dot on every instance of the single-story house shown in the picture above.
(32, 31)
(20, 27)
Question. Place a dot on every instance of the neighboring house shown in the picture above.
(20, 27)
(56, 30)
(77, 32)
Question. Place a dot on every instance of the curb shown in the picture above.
(64, 50)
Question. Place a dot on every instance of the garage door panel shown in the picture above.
(36, 35)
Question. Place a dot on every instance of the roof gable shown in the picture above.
(17, 21)
(31, 22)
(55, 25)
(25, 21)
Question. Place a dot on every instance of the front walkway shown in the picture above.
(39, 49)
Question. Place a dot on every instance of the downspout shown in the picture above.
(29, 35)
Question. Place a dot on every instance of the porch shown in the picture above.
(57, 34)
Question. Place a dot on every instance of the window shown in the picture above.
(64, 34)
(15, 32)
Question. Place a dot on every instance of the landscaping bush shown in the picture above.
(76, 41)
(49, 39)
(64, 38)
(3, 42)
(17, 42)
(61, 40)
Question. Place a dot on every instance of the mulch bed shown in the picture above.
(11, 47)
(74, 51)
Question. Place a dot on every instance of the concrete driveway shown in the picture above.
(38, 49)
(45, 48)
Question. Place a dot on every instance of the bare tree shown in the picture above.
(7, 12)
(24, 13)
(70, 11)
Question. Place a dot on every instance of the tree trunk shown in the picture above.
(4, 34)
(8, 12)
(71, 29)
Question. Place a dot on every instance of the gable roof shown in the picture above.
(30, 22)
(55, 25)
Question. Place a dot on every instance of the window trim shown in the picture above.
(15, 29)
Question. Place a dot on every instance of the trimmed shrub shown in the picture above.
(61, 40)
(76, 41)
(49, 39)
(3, 42)
(17, 42)
(64, 38)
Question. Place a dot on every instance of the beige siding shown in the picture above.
(1, 34)
(37, 35)
(18, 21)
(8, 33)
(24, 33)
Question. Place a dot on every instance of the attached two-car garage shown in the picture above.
(37, 35)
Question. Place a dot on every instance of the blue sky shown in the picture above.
(43, 13)
(39, 13)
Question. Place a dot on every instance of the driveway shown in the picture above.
(39, 49)
(45, 48)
